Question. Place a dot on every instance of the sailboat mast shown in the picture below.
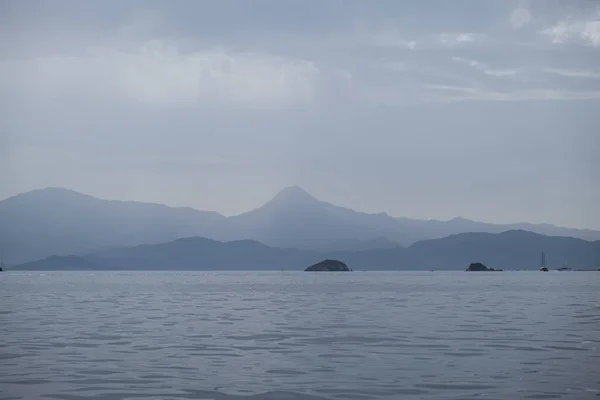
(543, 263)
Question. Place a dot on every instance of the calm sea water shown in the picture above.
(294, 335)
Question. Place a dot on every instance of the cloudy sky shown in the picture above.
(485, 109)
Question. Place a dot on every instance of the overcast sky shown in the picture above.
(485, 109)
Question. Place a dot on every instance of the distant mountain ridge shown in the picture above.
(56, 221)
(59, 221)
(507, 250)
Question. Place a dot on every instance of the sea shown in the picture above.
(299, 335)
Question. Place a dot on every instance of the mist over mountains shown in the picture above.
(56, 221)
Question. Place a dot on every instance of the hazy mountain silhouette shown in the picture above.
(514, 249)
(507, 250)
(58, 221)
(194, 253)
(360, 245)
(296, 219)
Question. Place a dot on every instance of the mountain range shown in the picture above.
(56, 221)
(507, 250)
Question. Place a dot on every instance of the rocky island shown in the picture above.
(479, 267)
(329, 266)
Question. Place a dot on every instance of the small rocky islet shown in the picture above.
(479, 267)
(328, 266)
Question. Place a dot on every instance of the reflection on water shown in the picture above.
(301, 336)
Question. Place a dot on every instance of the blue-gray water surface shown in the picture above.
(295, 335)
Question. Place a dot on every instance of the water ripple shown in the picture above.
(247, 336)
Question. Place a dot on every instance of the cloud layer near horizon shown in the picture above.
(487, 110)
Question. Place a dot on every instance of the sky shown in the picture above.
(487, 110)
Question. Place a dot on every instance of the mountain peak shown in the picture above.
(293, 193)
(46, 194)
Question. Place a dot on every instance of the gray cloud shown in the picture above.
(422, 109)
(485, 69)
(574, 73)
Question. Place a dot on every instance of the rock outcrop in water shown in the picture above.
(329, 266)
(478, 267)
